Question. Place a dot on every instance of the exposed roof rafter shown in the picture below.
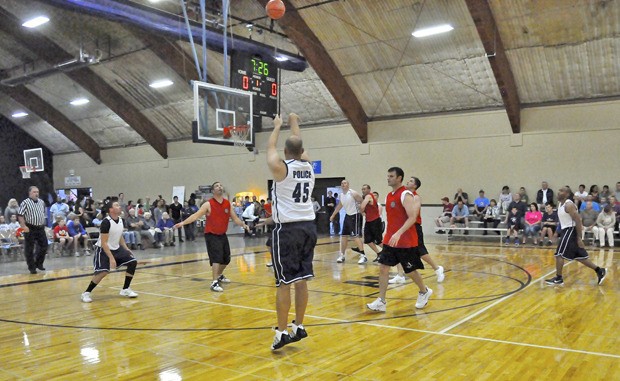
(481, 13)
(317, 56)
(56, 119)
(52, 53)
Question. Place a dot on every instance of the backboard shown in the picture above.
(33, 159)
(216, 109)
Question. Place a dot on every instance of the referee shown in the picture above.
(32, 220)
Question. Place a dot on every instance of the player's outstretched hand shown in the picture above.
(177, 226)
(293, 118)
(277, 121)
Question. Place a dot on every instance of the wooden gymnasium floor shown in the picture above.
(493, 318)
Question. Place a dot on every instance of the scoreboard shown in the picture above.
(251, 72)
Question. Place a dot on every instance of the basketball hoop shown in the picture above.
(238, 134)
(26, 170)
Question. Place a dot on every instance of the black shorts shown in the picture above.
(408, 257)
(517, 225)
(421, 248)
(293, 251)
(218, 248)
(101, 261)
(352, 225)
(373, 231)
(567, 246)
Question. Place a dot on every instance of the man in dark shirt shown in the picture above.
(521, 207)
(175, 213)
(330, 205)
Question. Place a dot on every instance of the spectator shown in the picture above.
(605, 193)
(505, 198)
(121, 202)
(480, 205)
(97, 220)
(250, 217)
(151, 226)
(588, 220)
(545, 194)
(77, 231)
(190, 229)
(594, 193)
(617, 191)
(246, 202)
(549, 225)
(90, 212)
(59, 208)
(175, 213)
(491, 216)
(61, 234)
(267, 208)
(445, 214)
(460, 195)
(605, 223)
(13, 223)
(12, 208)
(603, 202)
(520, 205)
(134, 229)
(165, 225)
(595, 205)
(460, 214)
(513, 222)
(580, 195)
(523, 195)
(533, 219)
(615, 207)
(160, 209)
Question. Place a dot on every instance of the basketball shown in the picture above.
(275, 9)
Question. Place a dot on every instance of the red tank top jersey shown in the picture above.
(372, 211)
(396, 217)
(419, 219)
(217, 221)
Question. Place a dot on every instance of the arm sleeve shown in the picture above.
(105, 226)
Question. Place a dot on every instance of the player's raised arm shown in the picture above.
(293, 121)
(203, 211)
(275, 163)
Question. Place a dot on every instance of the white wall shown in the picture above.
(568, 144)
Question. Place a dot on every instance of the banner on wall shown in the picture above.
(73, 181)
(179, 191)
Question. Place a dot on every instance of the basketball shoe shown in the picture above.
(378, 305)
(298, 332)
(423, 298)
(280, 340)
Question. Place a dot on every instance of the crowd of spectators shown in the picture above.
(536, 220)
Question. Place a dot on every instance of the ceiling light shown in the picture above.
(433, 30)
(281, 58)
(35, 22)
(19, 114)
(79, 101)
(161, 83)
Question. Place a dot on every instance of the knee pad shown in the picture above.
(131, 267)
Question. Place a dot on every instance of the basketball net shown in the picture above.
(239, 135)
(26, 171)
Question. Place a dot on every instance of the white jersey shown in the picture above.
(115, 231)
(349, 204)
(566, 221)
(291, 196)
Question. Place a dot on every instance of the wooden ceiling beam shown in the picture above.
(481, 13)
(317, 56)
(56, 119)
(52, 53)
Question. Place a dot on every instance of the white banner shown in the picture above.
(73, 181)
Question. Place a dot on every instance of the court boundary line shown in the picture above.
(602, 354)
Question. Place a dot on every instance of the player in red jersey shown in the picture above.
(413, 184)
(400, 243)
(373, 229)
(218, 212)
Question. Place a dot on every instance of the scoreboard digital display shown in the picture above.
(259, 76)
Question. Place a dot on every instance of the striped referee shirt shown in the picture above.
(33, 211)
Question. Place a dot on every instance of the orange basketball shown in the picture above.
(275, 9)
